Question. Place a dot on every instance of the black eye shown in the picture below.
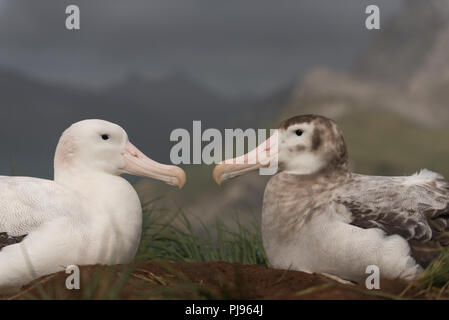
(105, 136)
(299, 132)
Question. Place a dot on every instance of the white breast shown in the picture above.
(113, 221)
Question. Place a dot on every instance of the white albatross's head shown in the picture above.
(104, 147)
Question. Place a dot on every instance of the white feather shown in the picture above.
(423, 176)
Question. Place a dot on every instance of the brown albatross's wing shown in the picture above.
(416, 208)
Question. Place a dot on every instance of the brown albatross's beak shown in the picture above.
(264, 156)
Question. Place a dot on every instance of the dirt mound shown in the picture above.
(211, 280)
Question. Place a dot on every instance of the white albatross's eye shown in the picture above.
(105, 136)
(299, 132)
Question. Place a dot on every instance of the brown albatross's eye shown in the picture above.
(299, 132)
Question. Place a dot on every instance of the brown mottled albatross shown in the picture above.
(320, 217)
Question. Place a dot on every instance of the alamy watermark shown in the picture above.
(372, 22)
(373, 280)
(72, 282)
(211, 147)
(72, 22)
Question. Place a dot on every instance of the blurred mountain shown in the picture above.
(404, 70)
(404, 44)
(185, 100)
(176, 90)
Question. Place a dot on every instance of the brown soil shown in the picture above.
(211, 280)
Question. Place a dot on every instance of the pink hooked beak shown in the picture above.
(260, 157)
(139, 164)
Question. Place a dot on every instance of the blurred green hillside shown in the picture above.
(385, 144)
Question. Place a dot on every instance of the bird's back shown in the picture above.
(414, 207)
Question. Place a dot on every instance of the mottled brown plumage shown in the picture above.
(327, 141)
(292, 199)
(417, 212)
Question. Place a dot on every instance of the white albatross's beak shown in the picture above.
(261, 157)
(139, 164)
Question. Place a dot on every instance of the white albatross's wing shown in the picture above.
(416, 208)
(37, 236)
(27, 203)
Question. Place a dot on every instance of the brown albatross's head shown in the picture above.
(303, 145)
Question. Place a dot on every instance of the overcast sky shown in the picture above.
(233, 46)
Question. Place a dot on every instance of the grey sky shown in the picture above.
(234, 46)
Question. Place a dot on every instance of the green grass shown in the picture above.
(437, 274)
(171, 236)
(434, 281)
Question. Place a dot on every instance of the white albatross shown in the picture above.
(319, 217)
(87, 215)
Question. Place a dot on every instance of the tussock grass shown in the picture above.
(434, 281)
(171, 236)
(437, 273)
